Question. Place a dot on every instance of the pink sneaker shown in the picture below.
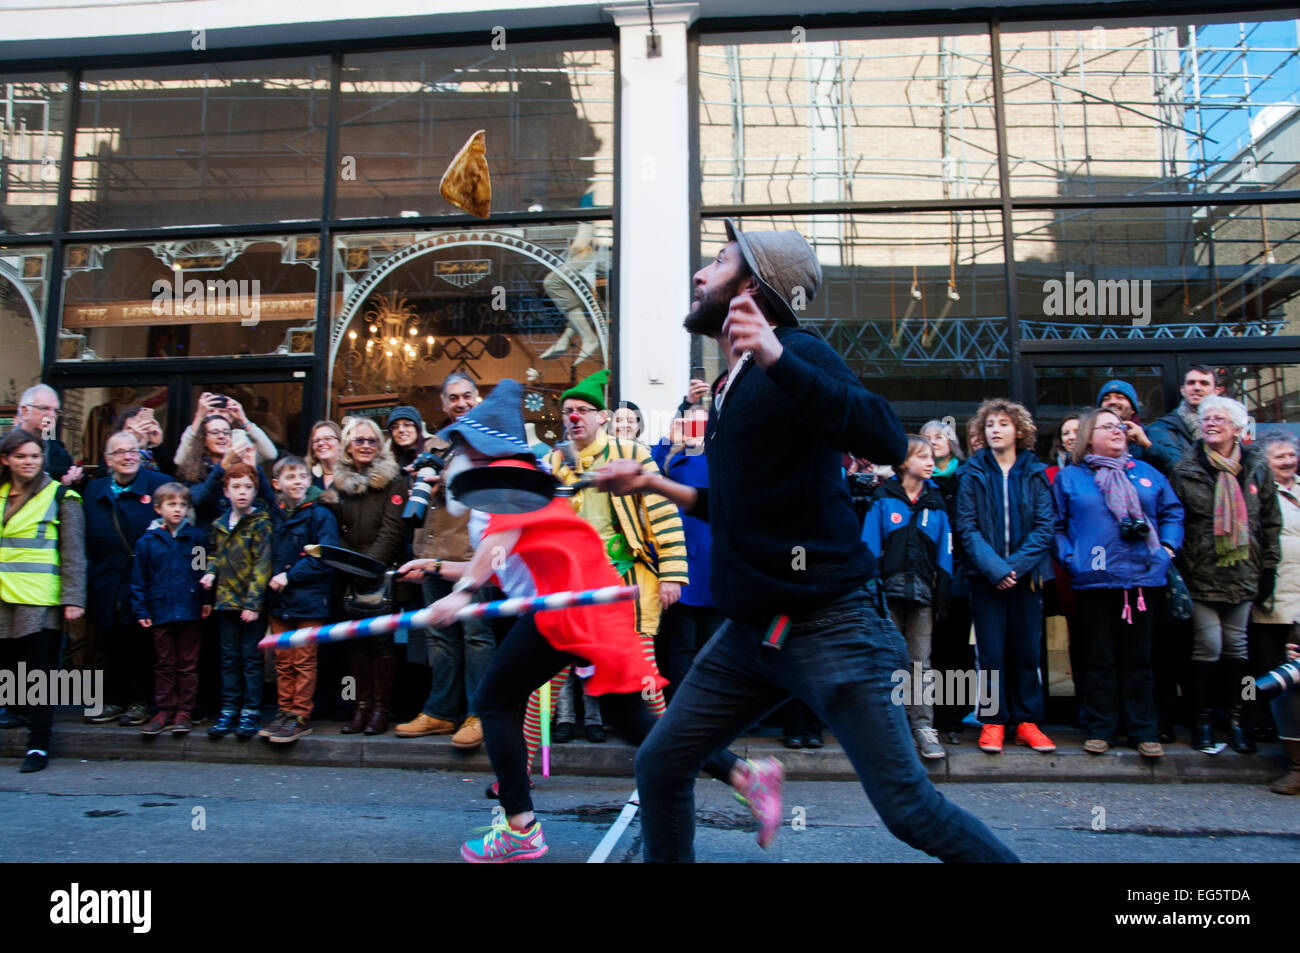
(503, 844)
(760, 791)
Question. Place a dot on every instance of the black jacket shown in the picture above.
(785, 537)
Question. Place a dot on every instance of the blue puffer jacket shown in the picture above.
(164, 583)
(980, 519)
(108, 554)
(1088, 541)
(311, 582)
(912, 543)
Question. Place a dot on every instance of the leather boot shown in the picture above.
(363, 673)
(1234, 672)
(385, 670)
(1289, 783)
(1203, 678)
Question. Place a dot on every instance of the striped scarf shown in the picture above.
(1231, 522)
(1118, 491)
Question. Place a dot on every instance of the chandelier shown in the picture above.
(392, 348)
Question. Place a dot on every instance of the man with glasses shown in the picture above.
(119, 508)
(38, 413)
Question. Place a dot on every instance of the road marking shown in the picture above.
(606, 845)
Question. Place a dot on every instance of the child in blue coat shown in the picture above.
(300, 591)
(907, 531)
(168, 601)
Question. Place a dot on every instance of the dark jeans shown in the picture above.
(459, 655)
(951, 651)
(1119, 664)
(241, 661)
(839, 660)
(1008, 640)
(521, 663)
(682, 630)
(40, 651)
(128, 662)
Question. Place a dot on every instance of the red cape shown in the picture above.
(563, 552)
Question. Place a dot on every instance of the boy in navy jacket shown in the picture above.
(168, 601)
(907, 530)
(300, 591)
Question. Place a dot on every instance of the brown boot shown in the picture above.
(1289, 783)
(385, 671)
(363, 673)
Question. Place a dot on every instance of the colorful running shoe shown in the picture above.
(760, 791)
(503, 844)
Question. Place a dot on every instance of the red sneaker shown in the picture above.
(1028, 734)
(991, 738)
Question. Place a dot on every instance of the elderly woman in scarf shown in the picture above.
(1118, 525)
(1229, 559)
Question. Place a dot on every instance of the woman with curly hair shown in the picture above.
(1005, 519)
(367, 498)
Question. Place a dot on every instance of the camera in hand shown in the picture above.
(220, 400)
(417, 504)
(1134, 528)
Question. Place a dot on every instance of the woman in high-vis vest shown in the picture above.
(42, 571)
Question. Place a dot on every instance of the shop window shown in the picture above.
(547, 110)
(224, 143)
(33, 116)
(914, 303)
(1144, 109)
(1183, 272)
(529, 303)
(24, 279)
(190, 298)
(811, 119)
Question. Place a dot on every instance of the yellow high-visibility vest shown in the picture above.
(29, 549)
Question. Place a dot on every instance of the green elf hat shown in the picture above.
(590, 389)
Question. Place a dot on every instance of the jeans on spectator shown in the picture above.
(839, 659)
(128, 661)
(1119, 664)
(241, 661)
(565, 707)
(1219, 629)
(459, 655)
(683, 629)
(916, 622)
(176, 668)
(1008, 640)
(42, 654)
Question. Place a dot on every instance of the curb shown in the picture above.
(965, 763)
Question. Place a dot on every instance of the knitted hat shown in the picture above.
(1120, 387)
(495, 428)
(590, 389)
(784, 265)
(405, 412)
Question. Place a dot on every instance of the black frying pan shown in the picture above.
(345, 560)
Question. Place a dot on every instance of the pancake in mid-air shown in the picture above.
(466, 183)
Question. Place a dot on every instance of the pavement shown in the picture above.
(327, 747)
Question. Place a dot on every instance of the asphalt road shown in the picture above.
(120, 811)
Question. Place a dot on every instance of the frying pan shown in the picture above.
(345, 560)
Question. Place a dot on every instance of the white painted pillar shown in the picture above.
(655, 258)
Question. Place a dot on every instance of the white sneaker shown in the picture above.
(927, 743)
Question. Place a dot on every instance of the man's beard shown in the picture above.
(712, 312)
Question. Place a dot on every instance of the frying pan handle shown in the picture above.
(585, 482)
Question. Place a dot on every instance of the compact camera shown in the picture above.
(417, 504)
(1134, 528)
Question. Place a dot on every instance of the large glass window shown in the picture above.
(809, 120)
(548, 113)
(33, 115)
(1178, 272)
(24, 282)
(914, 303)
(190, 298)
(1142, 109)
(529, 303)
(223, 143)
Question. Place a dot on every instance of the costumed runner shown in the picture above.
(552, 550)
